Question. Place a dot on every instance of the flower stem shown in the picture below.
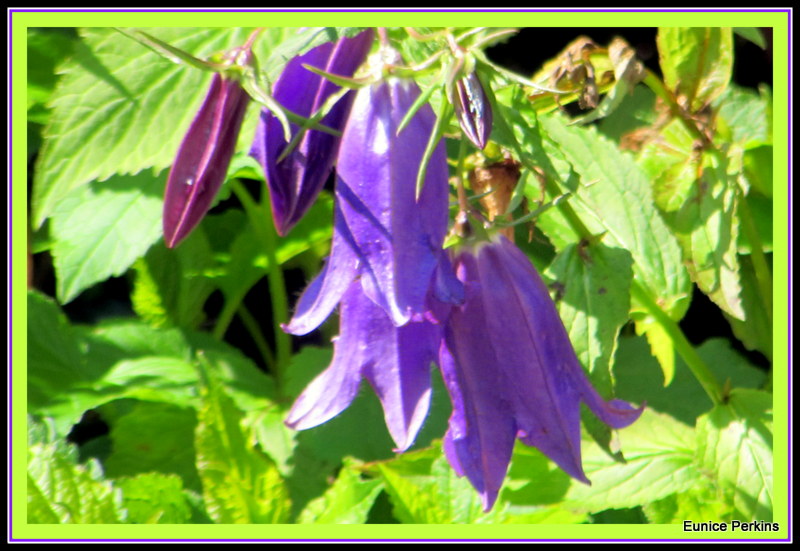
(684, 348)
(260, 219)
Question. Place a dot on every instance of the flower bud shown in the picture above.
(473, 110)
(203, 158)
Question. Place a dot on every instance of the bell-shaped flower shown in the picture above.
(297, 179)
(203, 158)
(511, 372)
(395, 360)
(384, 235)
(472, 109)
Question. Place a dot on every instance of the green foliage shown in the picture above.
(62, 492)
(664, 185)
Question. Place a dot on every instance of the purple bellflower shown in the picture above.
(384, 237)
(385, 267)
(296, 180)
(203, 158)
(472, 109)
(511, 372)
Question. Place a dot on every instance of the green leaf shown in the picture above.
(240, 483)
(151, 436)
(698, 202)
(639, 112)
(659, 453)
(639, 378)
(424, 489)
(171, 285)
(154, 498)
(745, 117)
(614, 198)
(55, 360)
(703, 501)
(696, 62)
(47, 48)
(100, 230)
(735, 443)
(62, 492)
(121, 108)
(755, 330)
(347, 501)
(753, 34)
(593, 296)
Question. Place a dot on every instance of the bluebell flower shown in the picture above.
(511, 372)
(296, 180)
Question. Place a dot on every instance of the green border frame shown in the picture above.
(19, 20)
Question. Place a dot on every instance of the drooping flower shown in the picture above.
(511, 372)
(385, 268)
(472, 109)
(384, 236)
(297, 179)
(203, 158)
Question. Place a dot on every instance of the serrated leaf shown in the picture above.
(614, 197)
(659, 453)
(735, 443)
(100, 230)
(696, 62)
(154, 498)
(240, 483)
(696, 197)
(121, 108)
(347, 501)
(62, 492)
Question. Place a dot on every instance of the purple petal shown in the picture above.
(295, 182)
(334, 389)
(203, 158)
(324, 293)
(481, 432)
(398, 236)
(398, 366)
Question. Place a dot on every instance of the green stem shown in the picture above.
(226, 316)
(654, 83)
(253, 328)
(261, 221)
(684, 348)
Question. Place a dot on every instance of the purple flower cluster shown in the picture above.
(479, 310)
